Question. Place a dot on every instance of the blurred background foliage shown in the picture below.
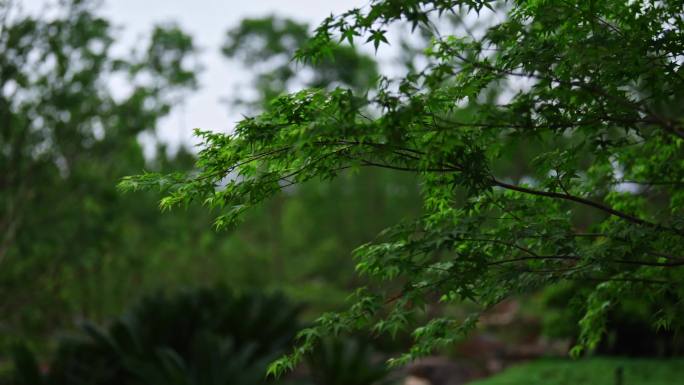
(72, 248)
(75, 253)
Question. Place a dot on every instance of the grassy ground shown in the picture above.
(592, 371)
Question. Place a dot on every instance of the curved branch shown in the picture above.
(586, 202)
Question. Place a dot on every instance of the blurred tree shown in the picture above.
(266, 46)
(595, 92)
(64, 136)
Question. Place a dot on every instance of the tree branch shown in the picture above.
(587, 202)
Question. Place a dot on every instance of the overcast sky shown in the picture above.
(207, 21)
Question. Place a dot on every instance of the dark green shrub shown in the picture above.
(200, 337)
(349, 361)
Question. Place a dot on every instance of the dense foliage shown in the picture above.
(572, 173)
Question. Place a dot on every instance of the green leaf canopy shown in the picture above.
(548, 143)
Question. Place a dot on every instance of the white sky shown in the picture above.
(207, 21)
